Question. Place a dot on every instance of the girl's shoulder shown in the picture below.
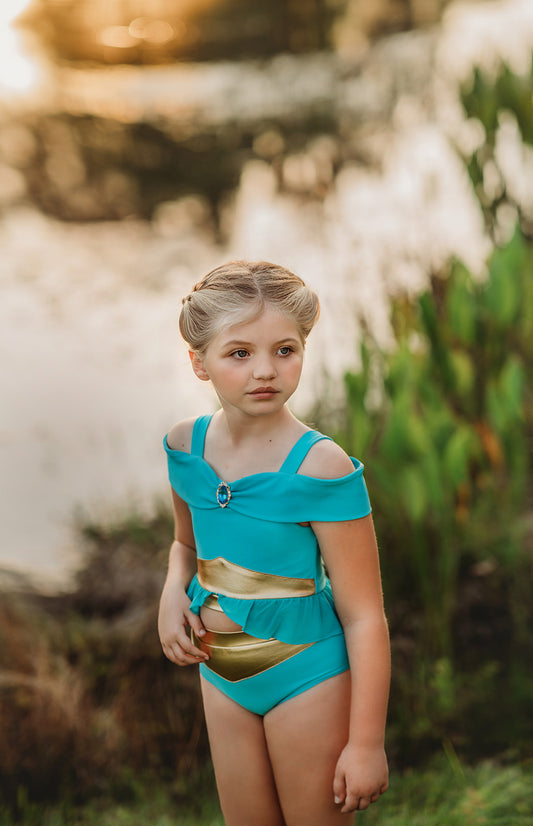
(326, 460)
(179, 437)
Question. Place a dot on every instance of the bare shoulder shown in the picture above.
(180, 435)
(326, 460)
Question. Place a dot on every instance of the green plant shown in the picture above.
(448, 463)
(444, 423)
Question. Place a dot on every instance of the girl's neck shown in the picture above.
(240, 429)
(238, 446)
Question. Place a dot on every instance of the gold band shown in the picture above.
(223, 577)
(235, 655)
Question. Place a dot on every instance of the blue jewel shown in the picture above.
(223, 494)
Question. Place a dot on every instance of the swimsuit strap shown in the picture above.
(198, 434)
(300, 450)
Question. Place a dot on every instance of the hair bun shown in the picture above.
(240, 289)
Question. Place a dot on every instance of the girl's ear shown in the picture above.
(198, 366)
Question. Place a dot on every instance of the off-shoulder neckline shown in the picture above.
(266, 473)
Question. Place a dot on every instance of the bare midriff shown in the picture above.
(216, 620)
(219, 576)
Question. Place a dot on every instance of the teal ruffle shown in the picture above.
(292, 620)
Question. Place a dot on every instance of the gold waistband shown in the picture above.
(235, 655)
(223, 577)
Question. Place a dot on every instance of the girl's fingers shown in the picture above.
(339, 788)
(177, 655)
(185, 642)
(181, 650)
(354, 803)
(191, 651)
(188, 646)
(351, 803)
(195, 623)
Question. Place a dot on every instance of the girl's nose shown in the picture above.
(264, 368)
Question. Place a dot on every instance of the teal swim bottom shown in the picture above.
(261, 674)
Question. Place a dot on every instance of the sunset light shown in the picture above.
(18, 72)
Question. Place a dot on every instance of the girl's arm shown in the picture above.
(174, 613)
(350, 552)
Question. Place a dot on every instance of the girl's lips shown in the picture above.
(264, 391)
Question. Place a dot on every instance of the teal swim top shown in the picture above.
(253, 522)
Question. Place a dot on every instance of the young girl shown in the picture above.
(294, 664)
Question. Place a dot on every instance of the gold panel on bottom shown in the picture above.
(235, 655)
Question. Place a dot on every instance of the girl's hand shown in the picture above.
(174, 620)
(361, 776)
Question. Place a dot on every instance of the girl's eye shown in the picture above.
(285, 351)
(240, 354)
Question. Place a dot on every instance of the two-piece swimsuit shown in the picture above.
(264, 570)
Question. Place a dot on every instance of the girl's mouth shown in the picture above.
(264, 392)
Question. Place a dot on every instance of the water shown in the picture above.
(93, 370)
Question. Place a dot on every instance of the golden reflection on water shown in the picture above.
(36, 37)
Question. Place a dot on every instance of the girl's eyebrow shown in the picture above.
(238, 343)
(288, 340)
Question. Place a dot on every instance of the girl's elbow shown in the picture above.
(359, 622)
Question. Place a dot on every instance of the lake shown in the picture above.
(94, 372)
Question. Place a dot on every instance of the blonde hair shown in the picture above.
(238, 291)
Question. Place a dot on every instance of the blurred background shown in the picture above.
(383, 151)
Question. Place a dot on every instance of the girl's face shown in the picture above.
(254, 366)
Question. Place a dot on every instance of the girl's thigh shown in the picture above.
(305, 736)
(243, 772)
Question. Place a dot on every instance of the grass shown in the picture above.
(448, 795)
(445, 794)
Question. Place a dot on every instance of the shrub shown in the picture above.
(86, 695)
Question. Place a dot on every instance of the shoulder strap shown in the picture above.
(300, 450)
(199, 431)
